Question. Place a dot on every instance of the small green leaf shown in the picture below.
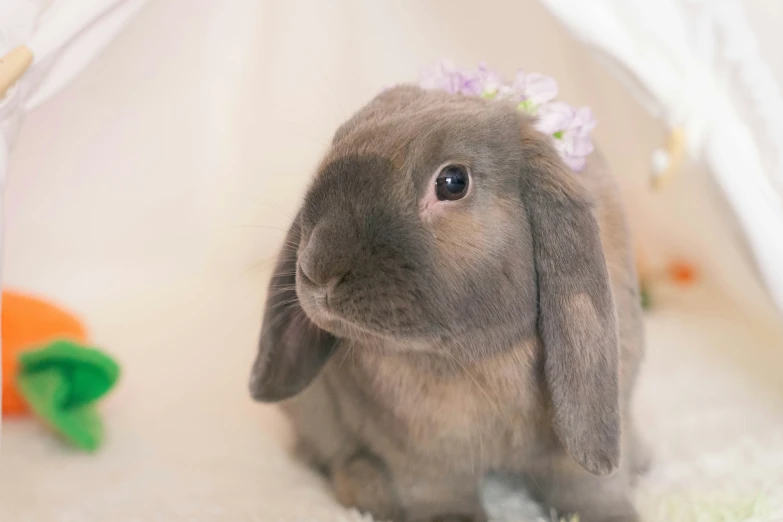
(558, 135)
(61, 382)
(527, 106)
(644, 293)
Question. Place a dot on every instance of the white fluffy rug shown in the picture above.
(186, 444)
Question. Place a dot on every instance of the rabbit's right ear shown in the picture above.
(577, 318)
(292, 350)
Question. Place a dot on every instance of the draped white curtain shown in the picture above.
(700, 65)
(63, 36)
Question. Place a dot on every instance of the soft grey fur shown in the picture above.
(418, 351)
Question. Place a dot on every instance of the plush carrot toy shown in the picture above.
(48, 369)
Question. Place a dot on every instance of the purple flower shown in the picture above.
(570, 130)
(483, 82)
(554, 117)
(534, 87)
(445, 76)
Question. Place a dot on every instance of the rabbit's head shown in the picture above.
(444, 223)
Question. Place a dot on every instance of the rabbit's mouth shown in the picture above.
(314, 300)
(336, 323)
(335, 312)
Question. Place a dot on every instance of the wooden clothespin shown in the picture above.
(12, 66)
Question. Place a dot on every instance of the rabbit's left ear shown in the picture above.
(577, 318)
(291, 350)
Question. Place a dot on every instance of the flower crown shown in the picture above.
(569, 127)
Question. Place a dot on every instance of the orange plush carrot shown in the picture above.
(27, 324)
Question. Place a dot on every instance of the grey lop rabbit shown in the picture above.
(453, 301)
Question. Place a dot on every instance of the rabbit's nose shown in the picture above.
(327, 257)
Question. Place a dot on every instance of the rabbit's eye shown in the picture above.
(452, 183)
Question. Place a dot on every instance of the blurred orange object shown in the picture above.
(682, 273)
(29, 323)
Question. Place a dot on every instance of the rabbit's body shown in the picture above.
(407, 424)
